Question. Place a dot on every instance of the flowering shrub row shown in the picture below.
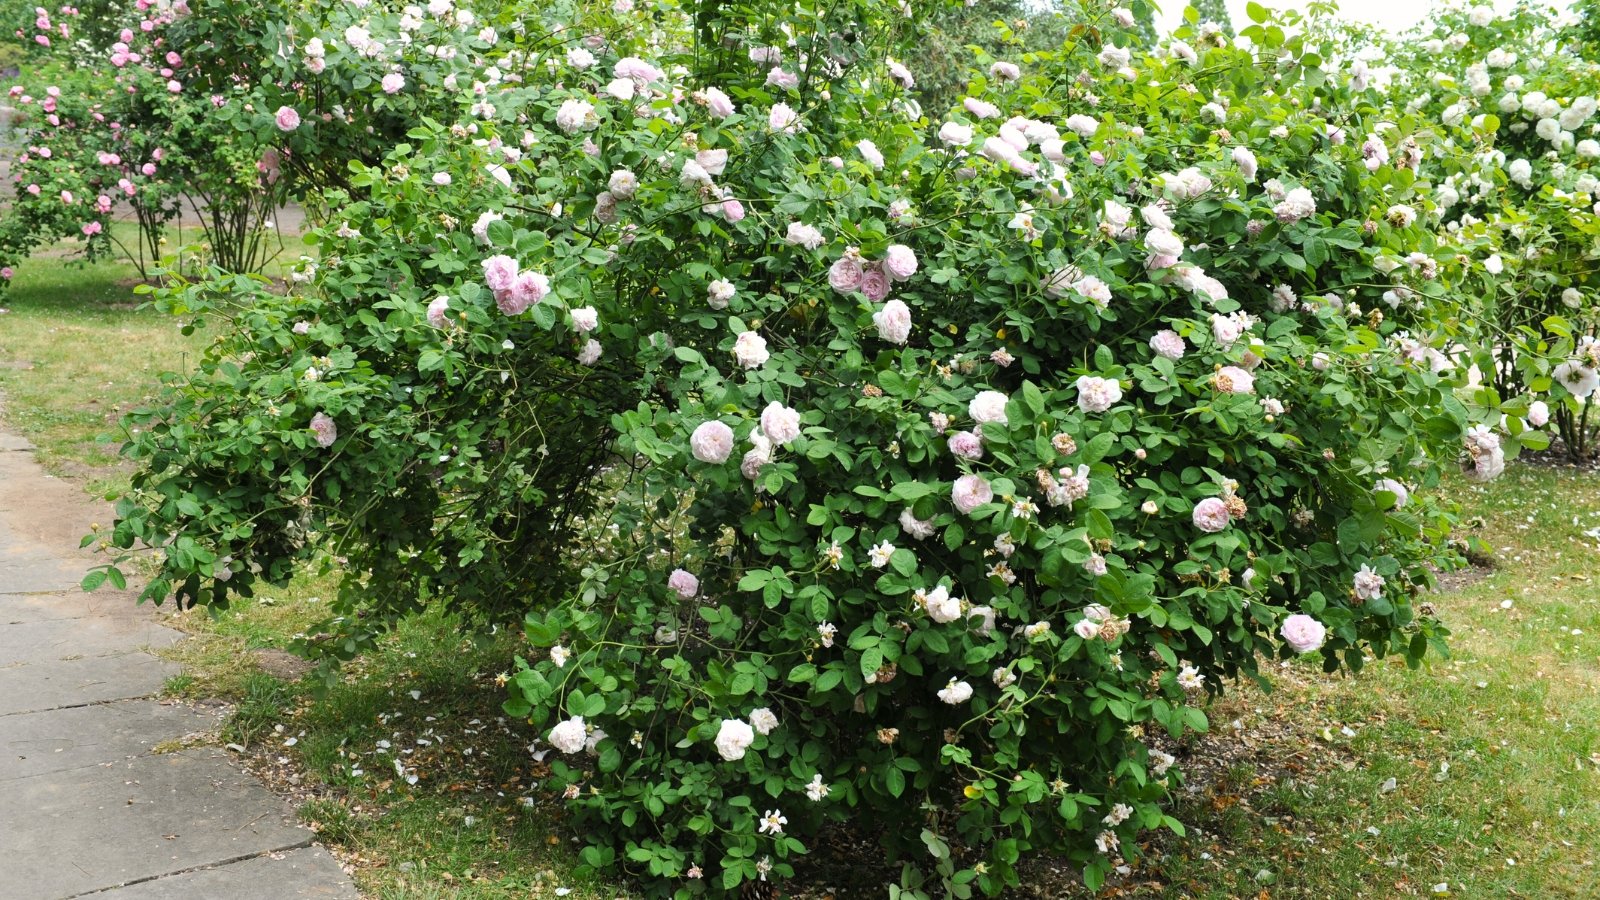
(840, 456)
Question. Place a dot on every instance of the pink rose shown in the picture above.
(733, 211)
(718, 103)
(894, 322)
(1302, 633)
(712, 442)
(437, 310)
(970, 492)
(1211, 515)
(1234, 380)
(900, 262)
(529, 288)
(846, 275)
(325, 430)
(780, 423)
(684, 583)
(287, 118)
(966, 445)
(500, 273)
(875, 282)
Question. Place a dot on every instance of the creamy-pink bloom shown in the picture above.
(287, 118)
(325, 429)
(900, 262)
(875, 282)
(970, 492)
(845, 275)
(894, 322)
(780, 423)
(1211, 515)
(1303, 633)
(966, 445)
(712, 442)
(684, 583)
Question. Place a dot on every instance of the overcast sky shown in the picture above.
(1394, 15)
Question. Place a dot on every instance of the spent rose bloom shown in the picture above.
(1211, 515)
(684, 583)
(780, 423)
(1096, 394)
(569, 736)
(970, 492)
(956, 692)
(734, 737)
(1234, 380)
(711, 442)
(893, 322)
(1302, 633)
(1368, 583)
(325, 430)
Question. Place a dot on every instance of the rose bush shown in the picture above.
(842, 457)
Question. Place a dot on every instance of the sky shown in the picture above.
(1394, 15)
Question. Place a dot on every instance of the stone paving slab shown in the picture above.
(86, 807)
(70, 604)
(298, 873)
(107, 826)
(59, 740)
(65, 639)
(77, 682)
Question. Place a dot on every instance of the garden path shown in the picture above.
(90, 805)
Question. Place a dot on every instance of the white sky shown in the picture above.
(1393, 15)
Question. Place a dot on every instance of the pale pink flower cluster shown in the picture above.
(1098, 622)
(1065, 487)
(514, 290)
(1485, 459)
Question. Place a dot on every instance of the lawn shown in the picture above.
(1476, 776)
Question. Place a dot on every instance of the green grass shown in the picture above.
(1494, 753)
